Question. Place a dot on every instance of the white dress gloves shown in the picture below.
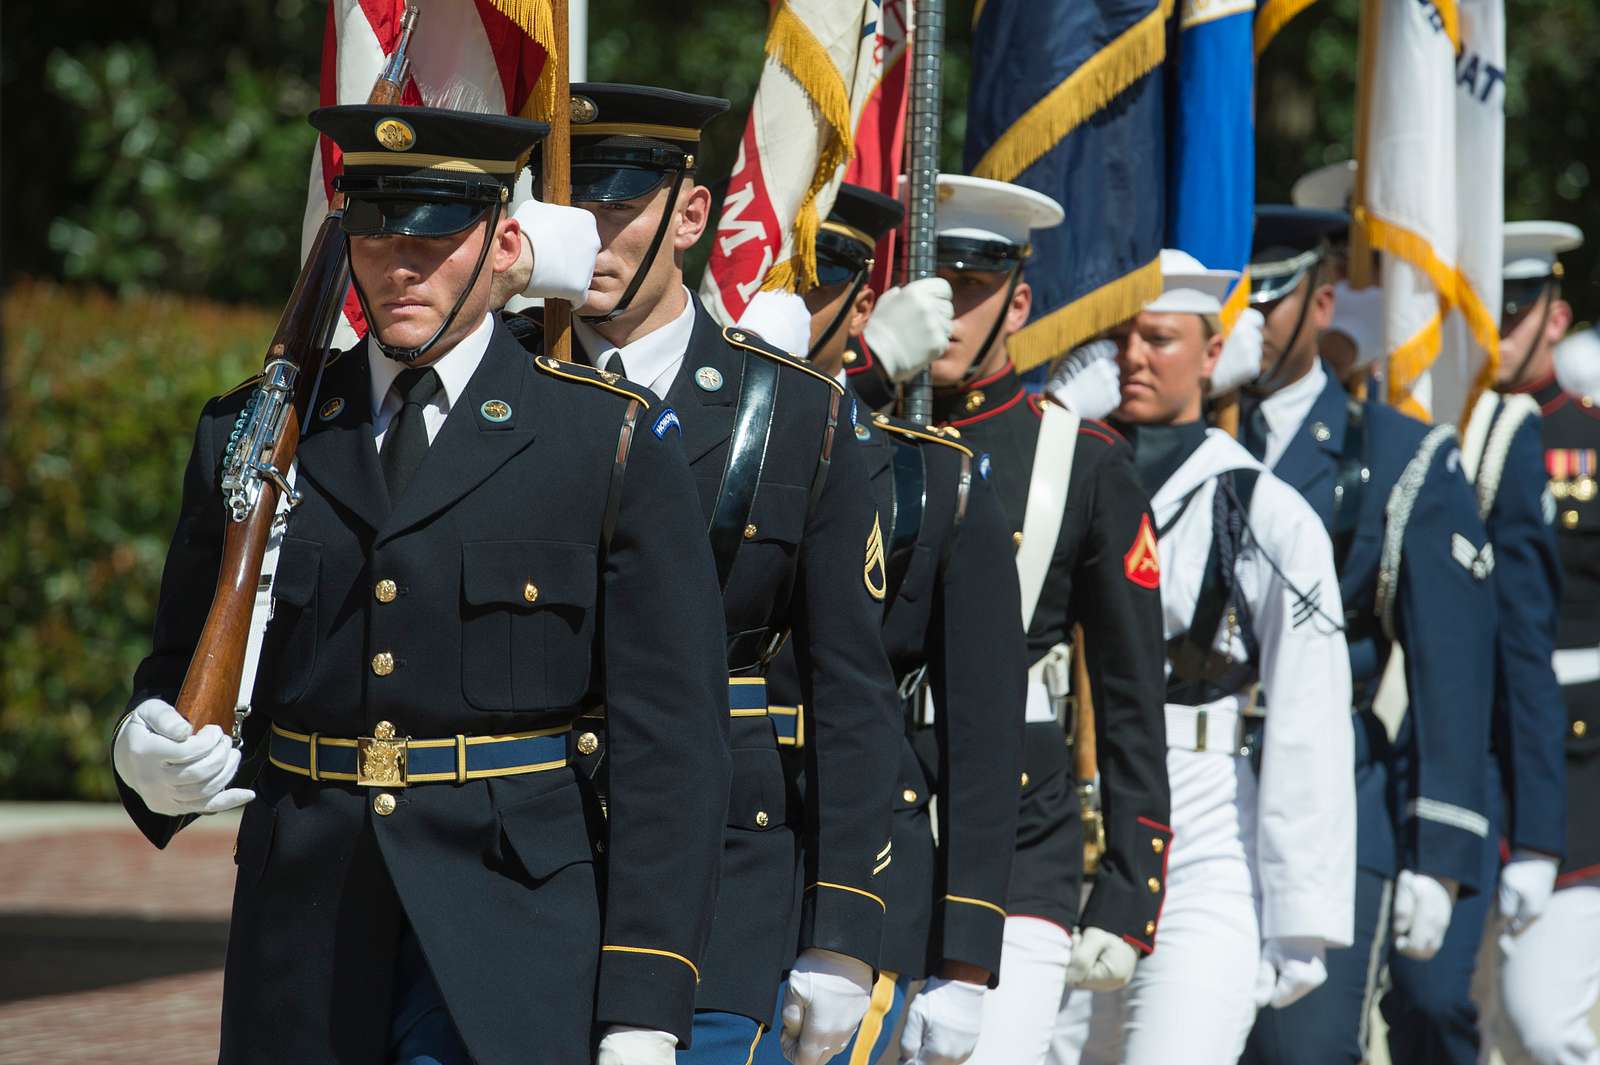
(1240, 362)
(1291, 968)
(942, 1023)
(622, 1045)
(1100, 960)
(910, 327)
(1526, 884)
(1087, 382)
(781, 319)
(563, 242)
(1422, 907)
(176, 770)
(828, 995)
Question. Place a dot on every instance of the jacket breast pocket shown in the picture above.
(766, 555)
(291, 633)
(527, 622)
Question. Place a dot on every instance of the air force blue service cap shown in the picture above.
(627, 139)
(423, 171)
(1287, 243)
(985, 225)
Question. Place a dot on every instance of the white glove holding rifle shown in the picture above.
(174, 769)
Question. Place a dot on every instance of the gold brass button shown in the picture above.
(1016, 538)
(973, 401)
(1154, 885)
(385, 591)
(383, 663)
(588, 743)
(1587, 401)
(762, 819)
(383, 730)
(1024, 778)
(1569, 518)
(849, 358)
(1158, 845)
(1149, 928)
(1580, 729)
(530, 592)
(908, 795)
(749, 532)
(383, 805)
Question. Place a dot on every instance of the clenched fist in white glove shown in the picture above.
(1100, 960)
(942, 1023)
(1087, 382)
(1526, 884)
(1422, 908)
(562, 243)
(622, 1045)
(828, 995)
(910, 327)
(1291, 968)
(175, 769)
(1240, 362)
(781, 319)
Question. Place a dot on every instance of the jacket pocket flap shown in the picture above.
(779, 513)
(299, 563)
(547, 833)
(528, 573)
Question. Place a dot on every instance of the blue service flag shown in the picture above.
(1211, 136)
(1067, 99)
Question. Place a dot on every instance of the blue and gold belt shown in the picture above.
(747, 697)
(385, 760)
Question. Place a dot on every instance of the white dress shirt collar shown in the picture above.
(1287, 408)
(455, 368)
(653, 359)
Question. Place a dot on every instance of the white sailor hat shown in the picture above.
(1531, 248)
(984, 224)
(1187, 287)
(1327, 188)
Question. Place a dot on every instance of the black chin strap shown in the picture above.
(838, 319)
(411, 355)
(621, 308)
(1263, 386)
(1527, 358)
(971, 373)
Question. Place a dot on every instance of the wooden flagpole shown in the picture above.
(557, 180)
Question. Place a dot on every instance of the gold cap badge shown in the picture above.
(395, 134)
(584, 110)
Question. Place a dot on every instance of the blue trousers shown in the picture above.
(870, 1040)
(1329, 1026)
(420, 1029)
(721, 1039)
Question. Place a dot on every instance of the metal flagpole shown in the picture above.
(922, 146)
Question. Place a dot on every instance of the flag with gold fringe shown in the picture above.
(1211, 168)
(794, 149)
(1430, 196)
(466, 55)
(1068, 99)
(1272, 16)
(878, 109)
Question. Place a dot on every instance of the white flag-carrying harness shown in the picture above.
(1429, 193)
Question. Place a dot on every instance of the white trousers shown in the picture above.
(1538, 1000)
(1019, 1015)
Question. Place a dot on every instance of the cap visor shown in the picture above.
(613, 184)
(409, 217)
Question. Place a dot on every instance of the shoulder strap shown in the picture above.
(1349, 484)
(1201, 673)
(909, 503)
(1485, 412)
(1508, 420)
(747, 454)
(1047, 503)
(630, 418)
(1397, 512)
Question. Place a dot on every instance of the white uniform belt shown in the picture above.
(1052, 673)
(1217, 726)
(1577, 665)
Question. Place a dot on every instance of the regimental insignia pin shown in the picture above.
(495, 410)
(395, 134)
(709, 378)
(330, 410)
(863, 433)
(584, 110)
(873, 573)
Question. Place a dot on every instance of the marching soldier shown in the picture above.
(416, 879)
(799, 554)
(1547, 979)
(1413, 563)
(1259, 739)
(949, 628)
(1085, 557)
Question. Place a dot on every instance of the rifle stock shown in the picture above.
(256, 467)
(1086, 758)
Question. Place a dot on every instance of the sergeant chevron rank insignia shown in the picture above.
(873, 573)
(1477, 561)
(1142, 563)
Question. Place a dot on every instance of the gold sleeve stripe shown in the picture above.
(975, 902)
(887, 847)
(881, 866)
(659, 953)
(852, 890)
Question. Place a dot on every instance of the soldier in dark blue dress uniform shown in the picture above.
(950, 630)
(1411, 552)
(471, 548)
(800, 556)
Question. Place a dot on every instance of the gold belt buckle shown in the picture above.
(381, 758)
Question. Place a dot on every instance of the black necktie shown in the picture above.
(1254, 436)
(614, 364)
(406, 442)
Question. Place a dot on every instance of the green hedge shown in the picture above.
(99, 403)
